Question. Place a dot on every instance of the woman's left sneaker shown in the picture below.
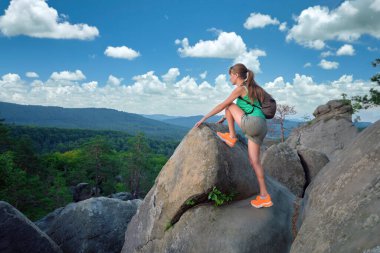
(227, 138)
(260, 202)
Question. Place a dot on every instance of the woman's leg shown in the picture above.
(254, 159)
(233, 114)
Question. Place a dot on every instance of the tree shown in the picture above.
(282, 111)
(371, 99)
(137, 163)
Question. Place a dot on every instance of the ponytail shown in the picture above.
(255, 92)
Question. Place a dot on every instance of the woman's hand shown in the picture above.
(221, 120)
(199, 123)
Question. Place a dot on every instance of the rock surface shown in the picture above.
(312, 162)
(341, 205)
(92, 225)
(330, 132)
(166, 223)
(19, 234)
(283, 164)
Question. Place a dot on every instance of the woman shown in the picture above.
(248, 115)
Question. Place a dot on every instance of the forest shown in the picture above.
(40, 166)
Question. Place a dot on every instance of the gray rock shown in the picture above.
(45, 223)
(122, 196)
(93, 225)
(81, 192)
(200, 162)
(341, 205)
(312, 162)
(283, 164)
(237, 227)
(328, 135)
(19, 234)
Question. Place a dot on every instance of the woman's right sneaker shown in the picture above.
(260, 202)
(227, 138)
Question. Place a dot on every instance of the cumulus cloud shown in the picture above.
(171, 76)
(326, 54)
(203, 75)
(328, 64)
(67, 75)
(31, 74)
(114, 81)
(184, 97)
(346, 50)
(121, 52)
(35, 18)
(306, 94)
(283, 27)
(258, 20)
(307, 65)
(348, 22)
(227, 45)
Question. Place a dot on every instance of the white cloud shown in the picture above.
(283, 27)
(171, 76)
(31, 74)
(307, 65)
(114, 81)
(227, 45)
(306, 95)
(258, 20)
(35, 18)
(91, 86)
(348, 22)
(184, 97)
(67, 75)
(203, 75)
(250, 59)
(328, 64)
(121, 52)
(326, 54)
(346, 50)
(372, 49)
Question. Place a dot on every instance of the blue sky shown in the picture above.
(172, 57)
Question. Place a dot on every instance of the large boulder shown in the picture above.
(341, 205)
(312, 162)
(19, 234)
(283, 164)
(166, 222)
(330, 132)
(92, 225)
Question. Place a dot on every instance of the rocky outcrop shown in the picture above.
(92, 225)
(283, 164)
(177, 217)
(341, 205)
(19, 234)
(330, 132)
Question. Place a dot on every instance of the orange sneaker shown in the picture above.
(227, 138)
(259, 202)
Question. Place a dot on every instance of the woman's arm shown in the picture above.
(229, 100)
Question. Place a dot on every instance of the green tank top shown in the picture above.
(245, 104)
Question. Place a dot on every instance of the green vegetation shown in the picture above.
(369, 100)
(190, 202)
(39, 166)
(218, 197)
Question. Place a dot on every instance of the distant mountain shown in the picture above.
(89, 118)
(190, 121)
(160, 117)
